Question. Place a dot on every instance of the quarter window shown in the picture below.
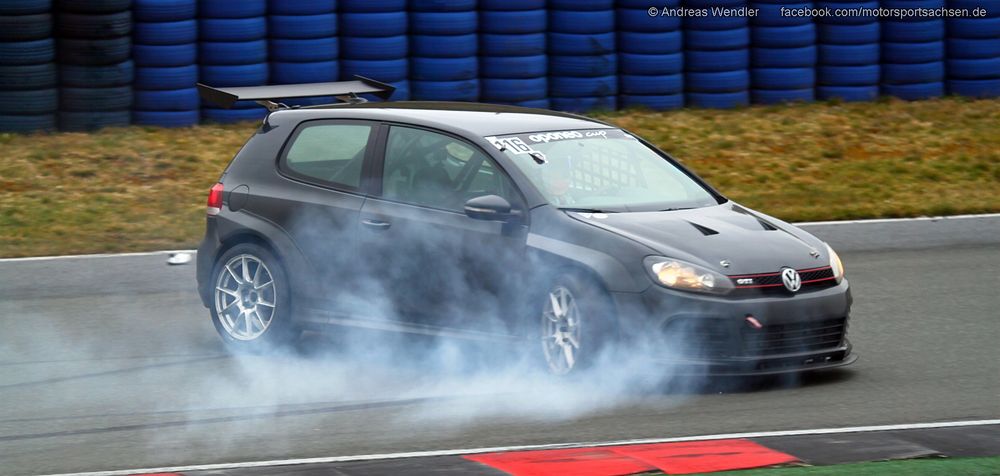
(329, 153)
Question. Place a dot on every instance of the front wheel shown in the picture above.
(251, 305)
(577, 325)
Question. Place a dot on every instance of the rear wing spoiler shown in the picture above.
(346, 91)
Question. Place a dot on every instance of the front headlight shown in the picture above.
(836, 265)
(685, 276)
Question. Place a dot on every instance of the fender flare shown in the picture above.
(609, 272)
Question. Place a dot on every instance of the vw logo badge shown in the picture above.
(791, 279)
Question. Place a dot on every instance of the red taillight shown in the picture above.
(215, 199)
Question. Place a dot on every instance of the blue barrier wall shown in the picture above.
(86, 64)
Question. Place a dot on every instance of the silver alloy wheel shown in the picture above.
(561, 331)
(245, 297)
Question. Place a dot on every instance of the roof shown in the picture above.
(470, 118)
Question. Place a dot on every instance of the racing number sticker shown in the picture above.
(517, 144)
(513, 144)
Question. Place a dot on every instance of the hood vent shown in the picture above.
(767, 226)
(739, 209)
(763, 224)
(704, 229)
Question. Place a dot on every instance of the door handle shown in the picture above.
(376, 224)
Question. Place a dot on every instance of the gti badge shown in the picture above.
(791, 279)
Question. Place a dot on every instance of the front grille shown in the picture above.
(770, 283)
(794, 337)
(812, 275)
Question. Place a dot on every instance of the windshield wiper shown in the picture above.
(585, 210)
(676, 209)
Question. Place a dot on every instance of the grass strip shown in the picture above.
(141, 188)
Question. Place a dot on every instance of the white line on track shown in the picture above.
(468, 451)
(805, 223)
(897, 220)
(100, 255)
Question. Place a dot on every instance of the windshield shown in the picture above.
(601, 170)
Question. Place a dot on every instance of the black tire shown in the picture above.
(166, 78)
(28, 76)
(165, 33)
(372, 5)
(598, 329)
(280, 331)
(226, 116)
(168, 100)
(27, 52)
(231, 8)
(25, 27)
(232, 29)
(24, 123)
(573, 87)
(95, 99)
(301, 7)
(94, 6)
(165, 10)
(168, 55)
(92, 121)
(224, 52)
(24, 7)
(38, 101)
(120, 74)
(166, 118)
(107, 25)
(95, 52)
(302, 26)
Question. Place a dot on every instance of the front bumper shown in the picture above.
(700, 334)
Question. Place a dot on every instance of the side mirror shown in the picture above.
(489, 207)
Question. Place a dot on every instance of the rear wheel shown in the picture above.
(577, 325)
(251, 305)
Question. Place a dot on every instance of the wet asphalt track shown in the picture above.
(111, 363)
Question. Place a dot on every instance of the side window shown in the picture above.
(329, 153)
(436, 170)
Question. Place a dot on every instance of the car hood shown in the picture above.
(749, 241)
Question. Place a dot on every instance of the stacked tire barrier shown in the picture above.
(373, 42)
(95, 69)
(165, 52)
(848, 68)
(583, 62)
(86, 64)
(28, 95)
(232, 49)
(973, 51)
(913, 53)
(716, 57)
(513, 65)
(650, 56)
(782, 53)
(303, 44)
(443, 61)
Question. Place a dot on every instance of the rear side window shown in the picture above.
(329, 153)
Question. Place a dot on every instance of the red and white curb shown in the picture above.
(632, 447)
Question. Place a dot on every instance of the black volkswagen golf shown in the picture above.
(559, 232)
